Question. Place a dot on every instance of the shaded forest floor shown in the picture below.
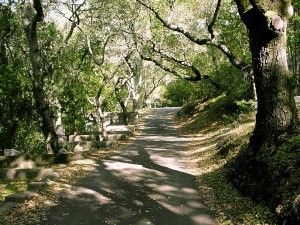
(34, 210)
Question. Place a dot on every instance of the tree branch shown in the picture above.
(213, 42)
(155, 85)
(212, 23)
(38, 17)
(75, 22)
(97, 61)
(179, 61)
(39, 10)
(245, 67)
(159, 64)
(175, 28)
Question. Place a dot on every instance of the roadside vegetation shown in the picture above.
(221, 129)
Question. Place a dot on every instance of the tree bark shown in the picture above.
(252, 171)
(38, 75)
(119, 85)
(276, 115)
(97, 103)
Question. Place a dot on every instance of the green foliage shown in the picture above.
(180, 92)
(272, 179)
(233, 32)
(30, 140)
(206, 113)
(236, 108)
(291, 145)
(9, 187)
(110, 102)
(187, 110)
(223, 109)
(228, 118)
(245, 106)
(15, 97)
(294, 42)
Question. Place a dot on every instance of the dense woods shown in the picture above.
(62, 62)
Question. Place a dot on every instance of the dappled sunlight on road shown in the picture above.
(86, 194)
(148, 183)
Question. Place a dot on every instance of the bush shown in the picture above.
(180, 92)
(30, 141)
(245, 106)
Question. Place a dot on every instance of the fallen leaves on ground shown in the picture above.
(33, 212)
(229, 205)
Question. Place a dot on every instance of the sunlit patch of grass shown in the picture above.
(8, 187)
(209, 153)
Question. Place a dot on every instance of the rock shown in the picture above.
(4, 208)
(63, 152)
(35, 186)
(81, 146)
(11, 152)
(21, 197)
(85, 138)
(12, 174)
(53, 176)
(62, 138)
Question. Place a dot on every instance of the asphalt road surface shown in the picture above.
(146, 184)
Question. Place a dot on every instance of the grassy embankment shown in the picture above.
(219, 129)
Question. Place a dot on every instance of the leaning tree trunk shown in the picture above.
(123, 107)
(39, 95)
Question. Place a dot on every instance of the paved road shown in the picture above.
(147, 184)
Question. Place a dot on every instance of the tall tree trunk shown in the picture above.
(98, 103)
(118, 87)
(276, 120)
(43, 107)
(135, 104)
(255, 170)
(276, 115)
(123, 107)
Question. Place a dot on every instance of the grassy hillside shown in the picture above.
(220, 128)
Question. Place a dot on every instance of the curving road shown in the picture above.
(147, 184)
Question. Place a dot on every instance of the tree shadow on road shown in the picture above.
(142, 185)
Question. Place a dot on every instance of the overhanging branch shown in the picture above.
(159, 64)
(213, 21)
(245, 67)
(198, 76)
(175, 28)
